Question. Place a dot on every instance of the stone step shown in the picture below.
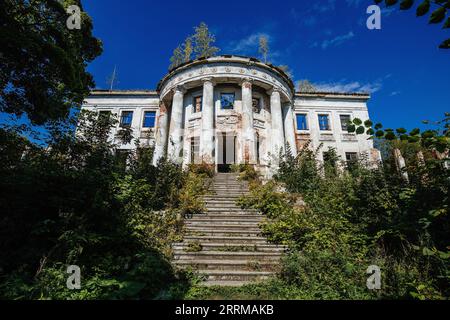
(237, 247)
(220, 201)
(222, 222)
(216, 283)
(236, 196)
(221, 205)
(231, 210)
(220, 197)
(228, 210)
(224, 255)
(249, 265)
(223, 232)
(246, 215)
(238, 275)
(218, 218)
(226, 239)
(223, 226)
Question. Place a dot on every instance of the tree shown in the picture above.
(43, 63)
(177, 57)
(203, 42)
(286, 70)
(306, 86)
(439, 14)
(263, 47)
(187, 49)
(200, 43)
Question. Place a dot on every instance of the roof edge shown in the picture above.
(330, 94)
(105, 92)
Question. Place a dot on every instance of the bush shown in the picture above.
(246, 172)
(203, 169)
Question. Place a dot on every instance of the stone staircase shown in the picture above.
(225, 243)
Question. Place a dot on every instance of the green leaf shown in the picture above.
(413, 139)
(351, 128)
(370, 132)
(446, 24)
(438, 15)
(406, 4)
(390, 136)
(378, 126)
(445, 44)
(401, 130)
(427, 252)
(428, 134)
(423, 8)
(415, 132)
(357, 121)
(390, 2)
(379, 133)
(360, 130)
(404, 137)
(368, 123)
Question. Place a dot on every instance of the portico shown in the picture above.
(244, 117)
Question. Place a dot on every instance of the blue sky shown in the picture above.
(325, 41)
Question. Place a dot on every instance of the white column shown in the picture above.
(175, 147)
(289, 129)
(277, 135)
(248, 132)
(161, 133)
(207, 134)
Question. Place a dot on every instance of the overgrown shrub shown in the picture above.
(246, 172)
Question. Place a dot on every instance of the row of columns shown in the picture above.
(280, 126)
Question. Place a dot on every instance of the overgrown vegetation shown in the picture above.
(336, 223)
(75, 203)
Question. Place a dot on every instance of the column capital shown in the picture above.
(273, 90)
(247, 83)
(179, 88)
(208, 79)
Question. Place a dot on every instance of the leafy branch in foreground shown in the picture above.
(438, 139)
(438, 15)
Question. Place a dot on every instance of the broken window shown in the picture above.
(198, 104)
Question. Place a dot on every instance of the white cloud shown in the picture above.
(248, 44)
(353, 86)
(337, 40)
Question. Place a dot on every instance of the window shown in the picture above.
(121, 158)
(195, 150)
(149, 119)
(198, 104)
(330, 160)
(256, 102)
(126, 118)
(227, 100)
(352, 159)
(104, 114)
(324, 122)
(345, 119)
(302, 123)
(258, 147)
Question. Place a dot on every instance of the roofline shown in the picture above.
(104, 92)
(321, 94)
(200, 61)
(335, 95)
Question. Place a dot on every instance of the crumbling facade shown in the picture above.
(230, 110)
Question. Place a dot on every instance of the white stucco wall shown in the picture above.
(333, 105)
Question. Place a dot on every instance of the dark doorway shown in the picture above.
(227, 154)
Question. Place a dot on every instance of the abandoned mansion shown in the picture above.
(231, 110)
